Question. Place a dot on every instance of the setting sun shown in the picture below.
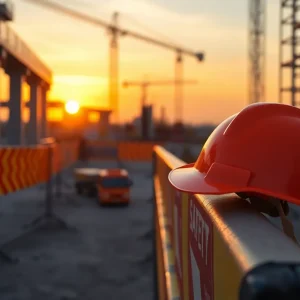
(72, 107)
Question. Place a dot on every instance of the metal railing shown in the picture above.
(223, 249)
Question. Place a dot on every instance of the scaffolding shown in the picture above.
(257, 49)
(289, 54)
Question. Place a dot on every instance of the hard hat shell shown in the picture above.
(256, 150)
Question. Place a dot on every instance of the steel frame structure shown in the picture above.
(289, 42)
(257, 49)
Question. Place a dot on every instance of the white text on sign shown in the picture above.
(200, 230)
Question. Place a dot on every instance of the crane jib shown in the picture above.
(115, 29)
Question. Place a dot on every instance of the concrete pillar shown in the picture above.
(85, 117)
(44, 121)
(34, 125)
(104, 124)
(15, 134)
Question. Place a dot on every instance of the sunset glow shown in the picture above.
(72, 107)
(79, 55)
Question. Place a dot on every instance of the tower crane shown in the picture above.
(144, 87)
(115, 32)
(257, 50)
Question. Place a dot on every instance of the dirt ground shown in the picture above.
(105, 253)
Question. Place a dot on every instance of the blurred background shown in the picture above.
(108, 72)
(153, 69)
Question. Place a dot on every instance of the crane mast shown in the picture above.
(178, 92)
(114, 57)
(257, 48)
(289, 52)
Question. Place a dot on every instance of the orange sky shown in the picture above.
(78, 54)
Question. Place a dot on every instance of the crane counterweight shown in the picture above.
(199, 56)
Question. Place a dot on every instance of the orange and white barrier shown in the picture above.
(221, 248)
(22, 167)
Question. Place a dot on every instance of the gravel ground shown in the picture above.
(106, 253)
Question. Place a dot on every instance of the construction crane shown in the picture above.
(289, 51)
(257, 50)
(115, 31)
(144, 87)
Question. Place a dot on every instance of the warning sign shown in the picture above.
(200, 236)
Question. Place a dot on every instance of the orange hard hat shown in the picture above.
(255, 151)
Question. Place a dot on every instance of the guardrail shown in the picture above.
(218, 246)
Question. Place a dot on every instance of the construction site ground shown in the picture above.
(106, 253)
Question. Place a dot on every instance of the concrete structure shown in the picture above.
(22, 65)
(147, 123)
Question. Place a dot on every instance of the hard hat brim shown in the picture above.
(189, 179)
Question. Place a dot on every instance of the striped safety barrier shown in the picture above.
(222, 248)
(135, 151)
(22, 168)
(123, 151)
